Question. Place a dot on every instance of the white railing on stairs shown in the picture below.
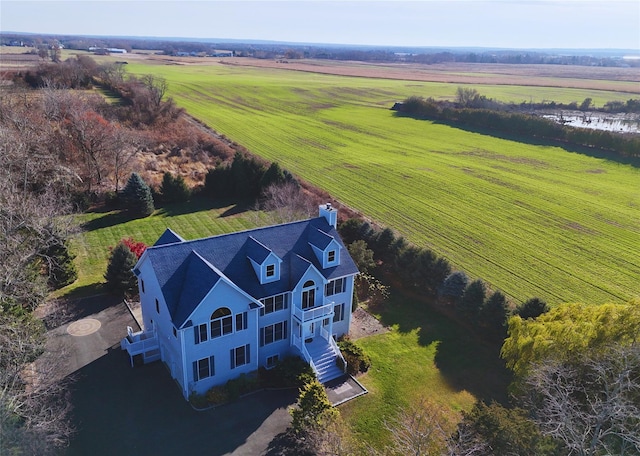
(305, 353)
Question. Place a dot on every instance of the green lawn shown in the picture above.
(531, 219)
(423, 356)
(102, 230)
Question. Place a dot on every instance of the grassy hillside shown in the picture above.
(533, 220)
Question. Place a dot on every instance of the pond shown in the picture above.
(620, 122)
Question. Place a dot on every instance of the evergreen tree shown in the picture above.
(350, 230)
(174, 189)
(382, 242)
(532, 308)
(119, 277)
(273, 175)
(62, 270)
(454, 285)
(362, 256)
(313, 408)
(217, 183)
(137, 196)
(494, 314)
(472, 300)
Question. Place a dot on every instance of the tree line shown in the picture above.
(475, 111)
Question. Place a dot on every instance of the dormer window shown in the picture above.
(331, 256)
(271, 270)
(265, 263)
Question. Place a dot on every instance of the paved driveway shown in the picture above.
(119, 410)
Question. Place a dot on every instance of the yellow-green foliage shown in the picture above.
(313, 407)
(568, 331)
(530, 219)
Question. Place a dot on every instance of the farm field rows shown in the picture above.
(532, 220)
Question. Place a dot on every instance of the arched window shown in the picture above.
(221, 322)
(308, 294)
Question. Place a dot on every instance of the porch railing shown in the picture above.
(313, 313)
(140, 343)
(334, 346)
(297, 342)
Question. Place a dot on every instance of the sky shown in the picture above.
(519, 24)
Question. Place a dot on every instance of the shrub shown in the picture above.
(243, 384)
(217, 395)
(198, 400)
(357, 360)
(291, 371)
(137, 248)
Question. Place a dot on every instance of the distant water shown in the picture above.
(624, 123)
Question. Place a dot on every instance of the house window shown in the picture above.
(241, 321)
(273, 304)
(331, 256)
(240, 356)
(142, 285)
(272, 361)
(271, 270)
(308, 294)
(273, 333)
(221, 322)
(335, 287)
(203, 368)
(338, 313)
(200, 333)
(157, 306)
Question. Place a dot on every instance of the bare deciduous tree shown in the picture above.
(286, 203)
(591, 405)
(33, 402)
(420, 430)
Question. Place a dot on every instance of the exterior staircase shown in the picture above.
(324, 360)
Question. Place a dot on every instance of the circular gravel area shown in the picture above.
(84, 327)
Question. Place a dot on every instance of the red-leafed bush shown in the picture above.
(136, 247)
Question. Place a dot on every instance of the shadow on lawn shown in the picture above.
(204, 204)
(108, 220)
(574, 148)
(119, 410)
(466, 361)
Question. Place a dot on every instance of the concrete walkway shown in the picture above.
(344, 389)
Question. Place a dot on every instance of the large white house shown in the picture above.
(218, 307)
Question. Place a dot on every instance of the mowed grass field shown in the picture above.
(532, 220)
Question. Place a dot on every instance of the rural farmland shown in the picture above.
(531, 219)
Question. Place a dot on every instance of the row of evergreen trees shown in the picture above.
(424, 271)
(520, 124)
(245, 178)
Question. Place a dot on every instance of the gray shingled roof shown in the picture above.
(187, 270)
(169, 237)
